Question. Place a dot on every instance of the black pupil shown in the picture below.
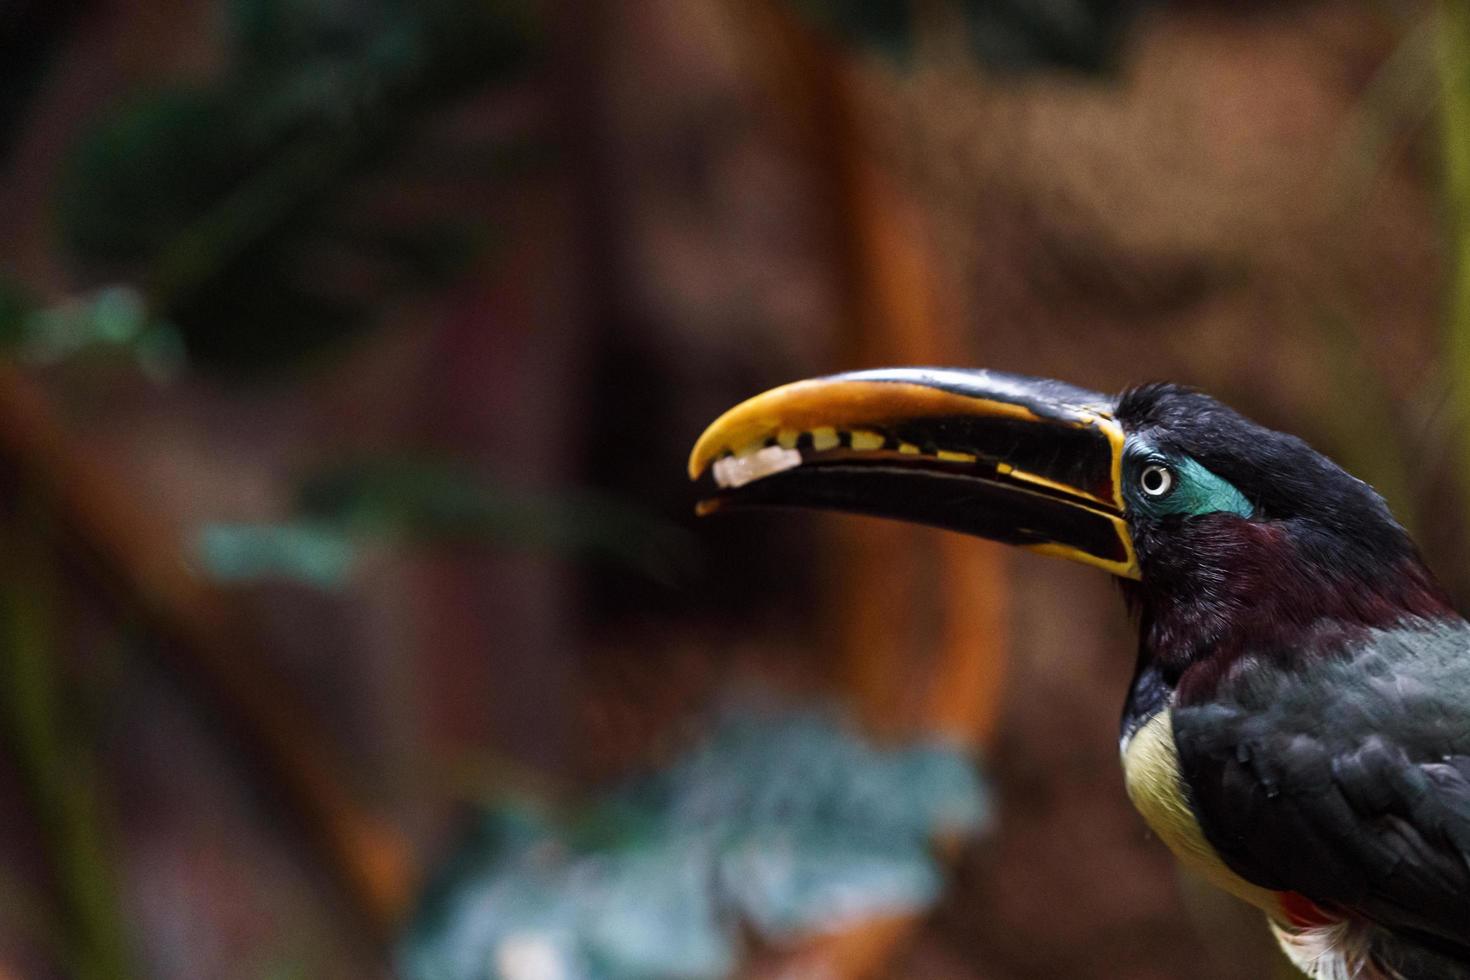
(1153, 479)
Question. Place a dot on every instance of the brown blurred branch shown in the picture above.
(211, 647)
(919, 618)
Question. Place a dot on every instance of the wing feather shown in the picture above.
(1346, 780)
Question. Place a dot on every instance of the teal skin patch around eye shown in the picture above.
(1198, 491)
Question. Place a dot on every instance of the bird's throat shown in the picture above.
(1230, 590)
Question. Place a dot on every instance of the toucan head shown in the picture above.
(1222, 531)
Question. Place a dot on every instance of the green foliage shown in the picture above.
(213, 196)
(782, 822)
(887, 24)
(319, 556)
(57, 767)
(113, 322)
(437, 502)
(1009, 35)
(1074, 34)
(15, 306)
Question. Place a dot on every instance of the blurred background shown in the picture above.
(354, 620)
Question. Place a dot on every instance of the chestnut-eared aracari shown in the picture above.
(1297, 729)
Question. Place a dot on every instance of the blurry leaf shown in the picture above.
(787, 894)
(145, 173)
(113, 321)
(1071, 34)
(310, 554)
(1008, 35)
(783, 822)
(429, 499)
(276, 34)
(224, 199)
(436, 503)
(15, 306)
(886, 24)
(57, 766)
(475, 921)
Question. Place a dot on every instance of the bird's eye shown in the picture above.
(1156, 480)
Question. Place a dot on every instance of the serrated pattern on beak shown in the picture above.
(1031, 462)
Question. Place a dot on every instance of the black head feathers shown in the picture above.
(1283, 477)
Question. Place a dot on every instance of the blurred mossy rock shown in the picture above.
(782, 824)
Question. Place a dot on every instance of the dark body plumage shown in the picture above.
(1320, 687)
(1347, 780)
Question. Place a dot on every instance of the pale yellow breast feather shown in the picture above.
(1151, 774)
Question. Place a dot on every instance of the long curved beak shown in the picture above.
(1025, 461)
